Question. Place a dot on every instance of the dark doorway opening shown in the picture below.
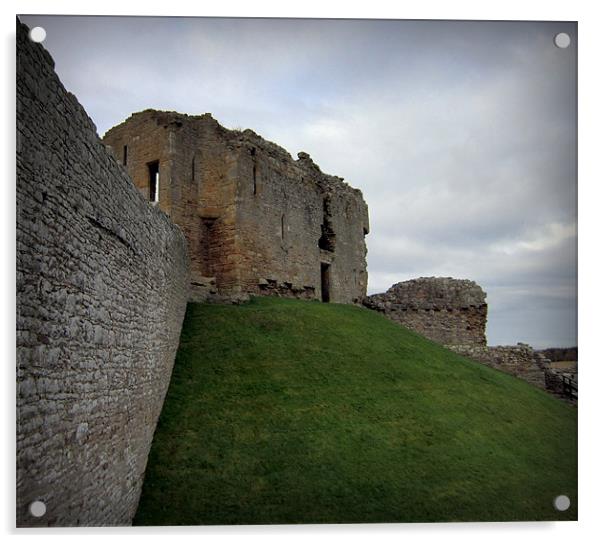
(325, 277)
(153, 181)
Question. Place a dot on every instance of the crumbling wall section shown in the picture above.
(345, 225)
(519, 360)
(448, 311)
(102, 281)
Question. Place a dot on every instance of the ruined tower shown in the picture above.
(256, 220)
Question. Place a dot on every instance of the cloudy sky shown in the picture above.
(461, 135)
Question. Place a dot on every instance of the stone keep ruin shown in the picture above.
(256, 221)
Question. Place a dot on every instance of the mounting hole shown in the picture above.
(562, 40)
(37, 34)
(37, 509)
(562, 502)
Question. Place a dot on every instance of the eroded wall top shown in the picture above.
(435, 293)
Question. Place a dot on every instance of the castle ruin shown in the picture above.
(256, 221)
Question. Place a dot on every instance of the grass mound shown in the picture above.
(282, 411)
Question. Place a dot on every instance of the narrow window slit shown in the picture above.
(153, 181)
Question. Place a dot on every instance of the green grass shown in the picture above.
(282, 411)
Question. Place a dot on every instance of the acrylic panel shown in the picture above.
(295, 271)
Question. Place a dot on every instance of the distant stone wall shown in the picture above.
(561, 354)
(102, 281)
(448, 311)
(519, 360)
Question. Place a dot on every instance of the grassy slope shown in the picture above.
(283, 411)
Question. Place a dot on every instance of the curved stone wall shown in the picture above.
(102, 280)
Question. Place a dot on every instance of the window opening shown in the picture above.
(153, 181)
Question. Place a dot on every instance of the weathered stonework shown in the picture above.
(449, 311)
(256, 221)
(102, 284)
